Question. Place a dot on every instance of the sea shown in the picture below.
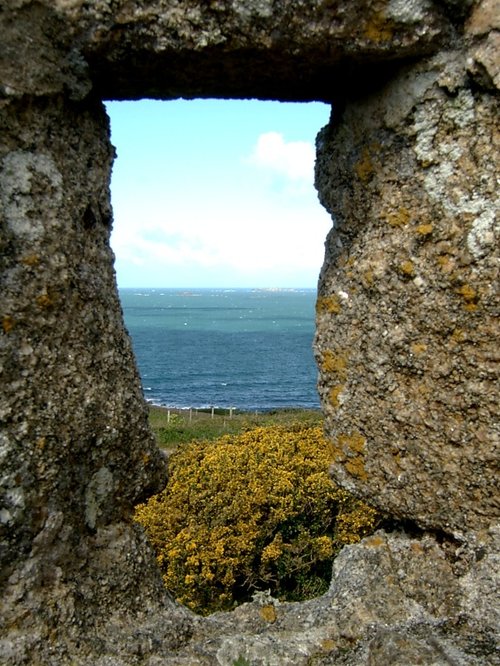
(247, 349)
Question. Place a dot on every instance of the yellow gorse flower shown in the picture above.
(251, 511)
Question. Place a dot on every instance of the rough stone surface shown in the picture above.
(408, 304)
(167, 48)
(406, 347)
(76, 454)
(393, 599)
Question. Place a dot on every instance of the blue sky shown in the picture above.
(212, 193)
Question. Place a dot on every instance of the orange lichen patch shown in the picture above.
(470, 307)
(364, 168)
(330, 304)
(45, 300)
(353, 447)
(31, 260)
(418, 348)
(355, 442)
(424, 229)
(407, 268)
(374, 541)
(458, 335)
(268, 613)
(328, 645)
(8, 323)
(470, 296)
(446, 263)
(334, 394)
(356, 467)
(417, 548)
(468, 293)
(334, 363)
(398, 218)
(337, 454)
(379, 29)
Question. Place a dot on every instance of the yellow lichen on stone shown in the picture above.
(418, 348)
(45, 300)
(268, 613)
(330, 304)
(356, 467)
(468, 293)
(8, 323)
(470, 296)
(470, 307)
(353, 447)
(350, 261)
(31, 260)
(425, 229)
(398, 218)
(407, 268)
(374, 541)
(334, 363)
(445, 262)
(328, 645)
(458, 335)
(379, 29)
(355, 442)
(364, 168)
(337, 454)
(334, 394)
(422, 389)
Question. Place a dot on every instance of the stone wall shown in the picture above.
(405, 343)
(407, 311)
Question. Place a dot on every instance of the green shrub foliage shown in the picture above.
(250, 512)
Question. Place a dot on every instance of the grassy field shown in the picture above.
(176, 426)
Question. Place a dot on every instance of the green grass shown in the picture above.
(175, 426)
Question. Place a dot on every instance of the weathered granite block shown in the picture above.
(407, 311)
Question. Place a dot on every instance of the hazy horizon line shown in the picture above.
(270, 288)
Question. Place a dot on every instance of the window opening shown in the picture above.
(218, 237)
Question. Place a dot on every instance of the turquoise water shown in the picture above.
(243, 348)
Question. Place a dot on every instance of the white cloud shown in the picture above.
(258, 236)
(292, 159)
(237, 230)
(191, 201)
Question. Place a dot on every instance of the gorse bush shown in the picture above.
(251, 512)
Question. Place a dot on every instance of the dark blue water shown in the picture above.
(249, 349)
